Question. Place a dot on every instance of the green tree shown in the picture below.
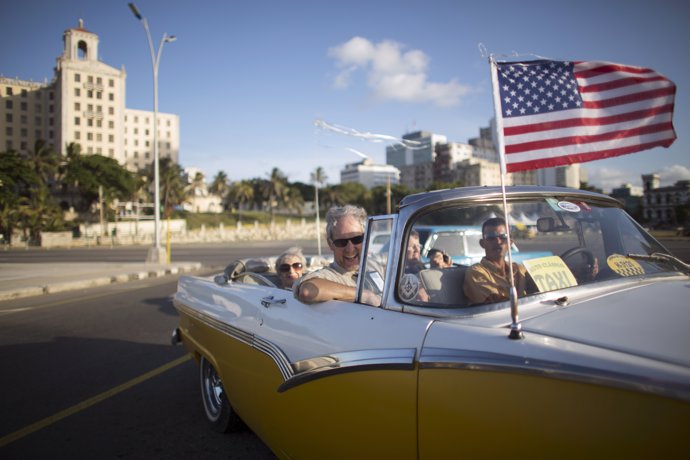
(293, 200)
(241, 193)
(18, 180)
(379, 199)
(86, 173)
(44, 161)
(274, 190)
(353, 193)
(220, 185)
(172, 183)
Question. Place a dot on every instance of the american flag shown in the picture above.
(556, 113)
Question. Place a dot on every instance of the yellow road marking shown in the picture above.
(89, 402)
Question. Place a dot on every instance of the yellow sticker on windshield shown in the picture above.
(550, 273)
(624, 266)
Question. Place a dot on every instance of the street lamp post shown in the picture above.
(156, 254)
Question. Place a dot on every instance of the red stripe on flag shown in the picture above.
(579, 140)
(584, 157)
(620, 83)
(586, 121)
(629, 98)
(609, 68)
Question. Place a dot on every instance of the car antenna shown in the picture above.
(515, 326)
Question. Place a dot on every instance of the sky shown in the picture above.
(249, 78)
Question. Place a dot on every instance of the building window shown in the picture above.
(99, 137)
(111, 83)
(136, 119)
(24, 119)
(136, 130)
(98, 150)
(51, 109)
(99, 80)
(111, 97)
(8, 145)
(111, 124)
(51, 95)
(37, 134)
(23, 106)
(77, 92)
(90, 78)
(77, 135)
(98, 94)
(111, 138)
(25, 93)
(8, 90)
(147, 156)
(8, 117)
(77, 106)
(24, 133)
(89, 108)
(99, 123)
(8, 131)
(77, 77)
(111, 111)
(50, 121)
(50, 134)
(89, 94)
(38, 107)
(22, 146)
(111, 153)
(77, 121)
(8, 104)
(89, 122)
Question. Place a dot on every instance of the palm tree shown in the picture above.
(44, 161)
(172, 184)
(274, 190)
(241, 193)
(220, 186)
(318, 177)
(293, 199)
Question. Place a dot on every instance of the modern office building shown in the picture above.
(83, 104)
(369, 174)
(418, 147)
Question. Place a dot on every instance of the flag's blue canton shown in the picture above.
(537, 87)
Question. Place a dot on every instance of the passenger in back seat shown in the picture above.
(290, 266)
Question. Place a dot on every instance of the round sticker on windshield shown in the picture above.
(409, 287)
(568, 206)
(624, 266)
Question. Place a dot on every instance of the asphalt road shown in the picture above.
(92, 374)
(210, 255)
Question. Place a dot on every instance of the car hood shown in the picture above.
(648, 319)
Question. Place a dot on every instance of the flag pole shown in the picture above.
(515, 326)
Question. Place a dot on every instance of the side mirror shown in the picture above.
(545, 224)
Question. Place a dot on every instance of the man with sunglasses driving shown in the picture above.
(489, 280)
(345, 233)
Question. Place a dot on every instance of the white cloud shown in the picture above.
(669, 175)
(608, 179)
(394, 74)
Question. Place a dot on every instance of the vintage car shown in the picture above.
(594, 362)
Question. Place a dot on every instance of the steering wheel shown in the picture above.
(579, 250)
(591, 273)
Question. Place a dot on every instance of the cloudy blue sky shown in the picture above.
(249, 78)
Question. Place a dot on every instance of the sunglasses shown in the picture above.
(501, 236)
(341, 243)
(286, 267)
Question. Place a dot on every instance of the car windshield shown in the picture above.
(560, 242)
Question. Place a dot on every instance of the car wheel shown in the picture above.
(219, 413)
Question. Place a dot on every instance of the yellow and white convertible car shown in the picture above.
(593, 362)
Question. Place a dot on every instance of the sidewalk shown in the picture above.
(25, 280)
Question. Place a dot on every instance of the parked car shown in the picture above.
(593, 362)
(461, 243)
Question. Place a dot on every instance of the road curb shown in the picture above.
(98, 280)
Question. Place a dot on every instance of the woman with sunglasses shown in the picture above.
(290, 266)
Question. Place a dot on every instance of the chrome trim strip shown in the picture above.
(246, 338)
(311, 369)
(445, 358)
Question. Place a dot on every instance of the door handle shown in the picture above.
(270, 301)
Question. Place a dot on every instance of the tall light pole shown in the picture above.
(157, 254)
